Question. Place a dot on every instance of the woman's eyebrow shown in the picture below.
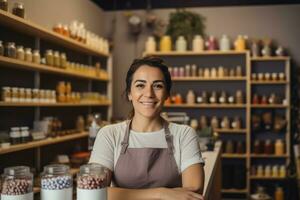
(140, 81)
(158, 81)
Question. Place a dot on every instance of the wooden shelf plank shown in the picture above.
(269, 82)
(40, 143)
(7, 104)
(227, 155)
(234, 191)
(230, 130)
(191, 53)
(30, 28)
(241, 78)
(269, 106)
(266, 178)
(268, 156)
(205, 105)
(271, 58)
(10, 62)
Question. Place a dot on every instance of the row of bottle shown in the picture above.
(77, 31)
(216, 123)
(271, 99)
(200, 44)
(19, 52)
(278, 171)
(269, 147)
(205, 98)
(28, 95)
(18, 8)
(268, 121)
(56, 183)
(194, 71)
(268, 76)
(234, 147)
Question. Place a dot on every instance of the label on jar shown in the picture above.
(64, 194)
(28, 196)
(97, 194)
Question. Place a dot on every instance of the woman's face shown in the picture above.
(148, 92)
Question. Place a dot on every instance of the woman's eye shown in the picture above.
(139, 86)
(158, 86)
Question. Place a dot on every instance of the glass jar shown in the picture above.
(279, 147)
(17, 183)
(63, 60)
(53, 96)
(150, 45)
(260, 171)
(42, 96)
(19, 9)
(194, 70)
(187, 71)
(239, 97)
(282, 171)
(92, 182)
(237, 123)
(268, 147)
(223, 97)
(36, 57)
(225, 124)
(257, 149)
(15, 94)
(181, 72)
(213, 97)
(68, 88)
(61, 88)
(10, 50)
(56, 59)
(181, 44)
(56, 183)
(49, 57)
(238, 71)
(25, 135)
(198, 43)
(190, 97)
(194, 124)
(35, 95)
(22, 95)
(6, 94)
(20, 53)
(214, 123)
(15, 135)
(1, 48)
(268, 171)
(165, 43)
(275, 171)
(3, 5)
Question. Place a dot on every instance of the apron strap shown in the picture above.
(169, 138)
(125, 142)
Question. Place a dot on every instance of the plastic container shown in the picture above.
(17, 183)
(92, 182)
(56, 183)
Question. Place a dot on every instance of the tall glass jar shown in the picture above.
(181, 44)
(17, 183)
(63, 60)
(56, 59)
(49, 57)
(3, 5)
(19, 10)
(20, 53)
(28, 55)
(92, 182)
(150, 45)
(10, 50)
(36, 57)
(56, 183)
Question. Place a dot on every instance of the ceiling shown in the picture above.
(110, 5)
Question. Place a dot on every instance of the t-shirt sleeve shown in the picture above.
(190, 150)
(103, 150)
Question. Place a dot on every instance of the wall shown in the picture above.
(50, 12)
(277, 22)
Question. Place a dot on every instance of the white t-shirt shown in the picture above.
(107, 147)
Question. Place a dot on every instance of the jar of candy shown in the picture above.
(17, 183)
(92, 182)
(56, 183)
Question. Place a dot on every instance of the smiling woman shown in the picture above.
(148, 157)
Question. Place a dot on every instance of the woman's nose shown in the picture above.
(149, 92)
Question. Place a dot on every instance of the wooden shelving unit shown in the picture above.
(29, 34)
(266, 178)
(10, 62)
(248, 107)
(44, 142)
(5, 104)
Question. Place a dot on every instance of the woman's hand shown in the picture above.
(179, 194)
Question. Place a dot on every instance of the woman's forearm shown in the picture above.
(115, 193)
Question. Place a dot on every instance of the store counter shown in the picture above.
(212, 169)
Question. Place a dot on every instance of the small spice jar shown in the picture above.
(56, 59)
(20, 53)
(3, 5)
(213, 97)
(275, 171)
(92, 182)
(1, 48)
(22, 95)
(10, 50)
(36, 57)
(63, 60)
(28, 55)
(181, 72)
(15, 94)
(25, 135)
(15, 135)
(49, 57)
(17, 183)
(282, 171)
(279, 147)
(206, 73)
(19, 10)
(239, 97)
(56, 181)
(200, 72)
(6, 94)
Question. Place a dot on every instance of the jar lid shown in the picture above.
(56, 169)
(93, 168)
(15, 128)
(17, 170)
(24, 128)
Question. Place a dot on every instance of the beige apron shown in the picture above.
(139, 168)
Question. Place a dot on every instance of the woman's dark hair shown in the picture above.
(152, 62)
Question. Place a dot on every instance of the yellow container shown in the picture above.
(240, 43)
(165, 43)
